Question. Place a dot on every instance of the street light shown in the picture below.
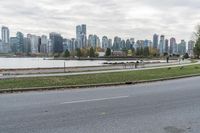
(64, 66)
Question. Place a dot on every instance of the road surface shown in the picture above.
(160, 107)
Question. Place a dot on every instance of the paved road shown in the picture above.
(148, 67)
(160, 107)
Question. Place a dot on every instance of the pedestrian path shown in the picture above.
(149, 67)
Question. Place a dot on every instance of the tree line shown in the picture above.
(87, 52)
(138, 52)
(92, 53)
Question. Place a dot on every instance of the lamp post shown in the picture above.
(64, 66)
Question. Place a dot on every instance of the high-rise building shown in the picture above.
(35, 42)
(110, 43)
(20, 44)
(147, 43)
(123, 44)
(166, 47)
(49, 47)
(128, 44)
(27, 45)
(191, 45)
(71, 44)
(93, 41)
(150, 44)
(81, 35)
(182, 47)
(68, 45)
(74, 44)
(5, 36)
(162, 44)
(57, 42)
(78, 31)
(117, 44)
(132, 40)
(173, 46)
(90, 40)
(98, 42)
(13, 44)
(139, 44)
(44, 44)
(84, 29)
(65, 44)
(105, 42)
(155, 41)
(17, 43)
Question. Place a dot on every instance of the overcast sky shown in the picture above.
(125, 18)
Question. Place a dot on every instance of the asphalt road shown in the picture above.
(160, 107)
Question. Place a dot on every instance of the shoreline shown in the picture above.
(96, 58)
(106, 64)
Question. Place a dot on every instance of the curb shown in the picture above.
(2, 91)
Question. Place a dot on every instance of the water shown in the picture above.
(16, 63)
(12, 63)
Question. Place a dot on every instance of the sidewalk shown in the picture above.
(120, 69)
(79, 69)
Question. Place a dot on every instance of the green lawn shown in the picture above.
(98, 78)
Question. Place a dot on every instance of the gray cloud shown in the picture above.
(127, 18)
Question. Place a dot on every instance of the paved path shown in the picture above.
(160, 107)
(79, 69)
(96, 72)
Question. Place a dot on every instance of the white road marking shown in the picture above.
(93, 100)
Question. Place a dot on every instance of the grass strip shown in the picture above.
(116, 77)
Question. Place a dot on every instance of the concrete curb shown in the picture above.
(92, 85)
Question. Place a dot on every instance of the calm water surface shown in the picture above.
(12, 63)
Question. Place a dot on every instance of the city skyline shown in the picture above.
(127, 19)
(11, 34)
(57, 44)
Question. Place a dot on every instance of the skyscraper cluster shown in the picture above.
(56, 43)
(171, 46)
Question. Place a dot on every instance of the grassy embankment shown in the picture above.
(99, 78)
